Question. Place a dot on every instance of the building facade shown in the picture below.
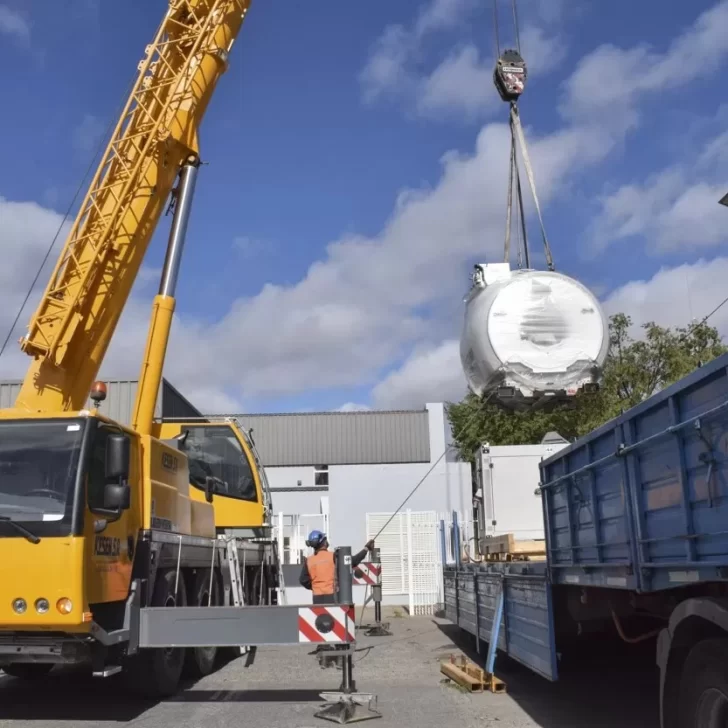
(347, 464)
(119, 402)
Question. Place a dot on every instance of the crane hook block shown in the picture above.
(510, 75)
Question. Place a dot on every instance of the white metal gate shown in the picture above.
(409, 551)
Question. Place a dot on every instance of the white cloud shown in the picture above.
(14, 24)
(87, 135)
(249, 247)
(431, 375)
(388, 69)
(674, 209)
(357, 310)
(609, 80)
(461, 86)
(542, 52)
(675, 296)
(26, 231)
(354, 407)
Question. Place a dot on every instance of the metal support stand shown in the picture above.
(379, 628)
(348, 706)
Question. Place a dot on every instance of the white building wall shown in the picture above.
(355, 490)
(290, 477)
(303, 502)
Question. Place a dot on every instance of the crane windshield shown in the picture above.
(38, 471)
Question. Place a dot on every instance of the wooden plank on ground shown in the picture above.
(461, 677)
(471, 676)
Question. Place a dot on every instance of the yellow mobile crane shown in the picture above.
(100, 521)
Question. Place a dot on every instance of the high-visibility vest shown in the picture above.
(322, 570)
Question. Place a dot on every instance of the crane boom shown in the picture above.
(156, 133)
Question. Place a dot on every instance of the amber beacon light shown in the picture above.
(98, 392)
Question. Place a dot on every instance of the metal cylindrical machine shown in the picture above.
(529, 334)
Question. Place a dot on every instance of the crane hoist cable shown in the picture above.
(509, 76)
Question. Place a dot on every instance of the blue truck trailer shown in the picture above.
(636, 541)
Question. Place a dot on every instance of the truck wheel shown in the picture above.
(27, 670)
(155, 673)
(200, 661)
(703, 695)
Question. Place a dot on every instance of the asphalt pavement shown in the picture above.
(281, 689)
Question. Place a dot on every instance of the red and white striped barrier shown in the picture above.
(367, 574)
(326, 624)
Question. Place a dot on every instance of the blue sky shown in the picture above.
(357, 168)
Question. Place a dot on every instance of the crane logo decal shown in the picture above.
(169, 462)
(107, 546)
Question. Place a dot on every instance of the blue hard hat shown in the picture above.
(315, 539)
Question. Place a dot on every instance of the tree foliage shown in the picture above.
(634, 370)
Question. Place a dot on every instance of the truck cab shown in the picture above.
(223, 463)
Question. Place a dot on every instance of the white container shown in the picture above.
(506, 497)
(538, 333)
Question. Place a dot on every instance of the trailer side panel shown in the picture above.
(642, 502)
(526, 632)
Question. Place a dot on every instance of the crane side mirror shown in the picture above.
(117, 493)
(210, 488)
(118, 457)
(117, 496)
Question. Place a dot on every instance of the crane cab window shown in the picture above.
(215, 452)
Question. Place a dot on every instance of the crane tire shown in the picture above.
(200, 661)
(155, 673)
(27, 670)
(703, 696)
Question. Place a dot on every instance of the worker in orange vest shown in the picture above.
(319, 570)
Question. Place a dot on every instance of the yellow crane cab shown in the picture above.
(225, 470)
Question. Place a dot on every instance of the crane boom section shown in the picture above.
(157, 131)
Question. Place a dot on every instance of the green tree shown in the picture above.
(634, 370)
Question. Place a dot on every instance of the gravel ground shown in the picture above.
(281, 690)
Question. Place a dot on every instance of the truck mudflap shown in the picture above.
(473, 599)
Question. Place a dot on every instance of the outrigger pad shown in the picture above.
(379, 630)
(346, 708)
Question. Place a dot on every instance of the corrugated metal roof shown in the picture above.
(119, 402)
(340, 438)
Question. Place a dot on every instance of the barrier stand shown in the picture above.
(369, 573)
(346, 705)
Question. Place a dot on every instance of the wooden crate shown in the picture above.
(508, 548)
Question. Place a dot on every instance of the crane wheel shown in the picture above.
(704, 686)
(27, 670)
(155, 673)
(200, 661)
